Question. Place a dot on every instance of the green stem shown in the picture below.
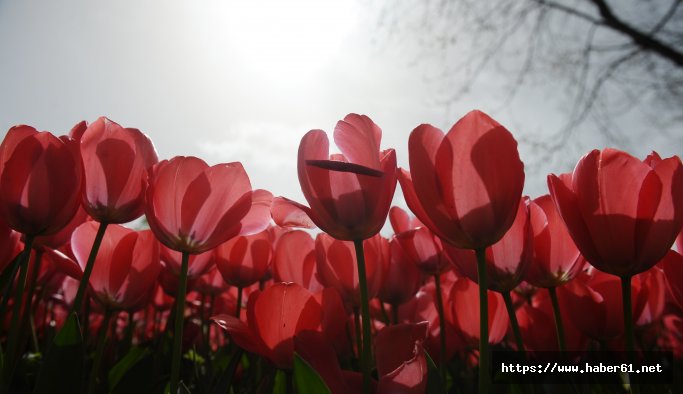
(130, 331)
(628, 323)
(356, 324)
(13, 339)
(394, 313)
(238, 306)
(179, 317)
(76, 307)
(513, 321)
(442, 328)
(484, 357)
(101, 342)
(559, 326)
(365, 315)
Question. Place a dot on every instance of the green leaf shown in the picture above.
(307, 379)
(63, 368)
(125, 364)
(280, 386)
(434, 383)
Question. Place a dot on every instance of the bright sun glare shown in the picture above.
(272, 39)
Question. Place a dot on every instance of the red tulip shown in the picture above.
(465, 185)
(506, 260)
(10, 245)
(337, 268)
(349, 193)
(294, 260)
(422, 307)
(126, 267)
(198, 264)
(418, 244)
(401, 361)
(244, 260)
(679, 242)
(192, 207)
(116, 161)
(63, 236)
(556, 259)
(537, 326)
(594, 304)
(672, 265)
(211, 284)
(275, 316)
(40, 181)
(402, 276)
(465, 312)
(623, 214)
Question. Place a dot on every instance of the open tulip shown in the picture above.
(465, 186)
(127, 264)
(624, 214)
(349, 193)
(672, 265)
(116, 161)
(401, 360)
(192, 208)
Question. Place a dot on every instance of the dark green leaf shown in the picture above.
(434, 383)
(63, 368)
(307, 379)
(125, 364)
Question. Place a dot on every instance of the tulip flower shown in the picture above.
(244, 260)
(294, 260)
(417, 243)
(197, 265)
(349, 195)
(10, 246)
(337, 268)
(672, 265)
(274, 317)
(33, 166)
(506, 261)
(40, 186)
(402, 277)
(679, 242)
(465, 312)
(401, 361)
(192, 208)
(126, 267)
(465, 186)
(116, 161)
(624, 214)
(594, 304)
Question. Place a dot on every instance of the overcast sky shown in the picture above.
(238, 81)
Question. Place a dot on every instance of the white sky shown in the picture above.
(235, 81)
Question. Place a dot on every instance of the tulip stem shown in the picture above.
(356, 324)
(394, 313)
(513, 322)
(179, 317)
(628, 324)
(483, 322)
(559, 326)
(366, 358)
(442, 328)
(99, 350)
(76, 306)
(13, 339)
(238, 305)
